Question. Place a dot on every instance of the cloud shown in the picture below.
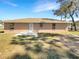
(11, 4)
(8, 2)
(45, 6)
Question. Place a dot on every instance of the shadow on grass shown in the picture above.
(22, 40)
(71, 37)
(72, 56)
(18, 56)
(52, 54)
(14, 42)
(45, 53)
(37, 48)
(48, 34)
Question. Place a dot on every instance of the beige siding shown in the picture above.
(61, 26)
(20, 26)
(47, 28)
(17, 26)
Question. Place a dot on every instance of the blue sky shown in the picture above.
(12, 9)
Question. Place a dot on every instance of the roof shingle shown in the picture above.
(34, 20)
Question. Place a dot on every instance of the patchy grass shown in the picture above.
(1, 28)
(33, 49)
(6, 49)
(69, 32)
(4, 44)
(74, 32)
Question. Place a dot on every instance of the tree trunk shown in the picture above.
(61, 17)
(73, 23)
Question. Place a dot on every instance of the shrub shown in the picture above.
(1, 31)
(38, 48)
(22, 36)
(44, 34)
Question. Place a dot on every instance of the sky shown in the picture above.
(15, 9)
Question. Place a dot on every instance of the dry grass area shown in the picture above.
(6, 49)
(33, 49)
(69, 32)
(74, 32)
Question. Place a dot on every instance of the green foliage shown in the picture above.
(68, 9)
(38, 48)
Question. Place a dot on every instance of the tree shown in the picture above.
(68, 9)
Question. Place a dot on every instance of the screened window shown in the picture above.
(53, 26)
(41, 25)
(11, 26)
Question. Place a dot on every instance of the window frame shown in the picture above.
(11, 26)
(54, 26)
(41, 25)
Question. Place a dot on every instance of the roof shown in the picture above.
(35, 20)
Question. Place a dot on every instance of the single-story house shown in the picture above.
(38, 25)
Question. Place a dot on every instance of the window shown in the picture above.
(11, 26)
(41, 25)
(53, 26)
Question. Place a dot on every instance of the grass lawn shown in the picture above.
(6, 49)
(1, 28)
(74, 32)
(17, 51)
(69, 32)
